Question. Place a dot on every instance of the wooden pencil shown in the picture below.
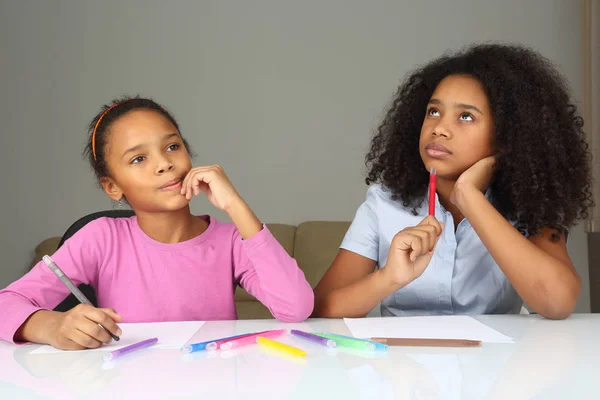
(428, 342)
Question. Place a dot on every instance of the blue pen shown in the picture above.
(209, 345)
(378, 346)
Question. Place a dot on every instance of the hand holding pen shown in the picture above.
(412, 248)
(84, 326)
(79, 328)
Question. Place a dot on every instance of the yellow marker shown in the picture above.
(281, 347)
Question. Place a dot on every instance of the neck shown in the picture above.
(171, 226)
(444, 190)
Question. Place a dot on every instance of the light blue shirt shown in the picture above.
(462, 277)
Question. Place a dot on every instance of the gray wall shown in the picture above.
(284, 94)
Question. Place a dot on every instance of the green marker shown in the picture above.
(353, 343)
(378, 346)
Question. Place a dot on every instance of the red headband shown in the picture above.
(96, 127)
(104, 115)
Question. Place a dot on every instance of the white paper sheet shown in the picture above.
(169, 334)
(436, 327)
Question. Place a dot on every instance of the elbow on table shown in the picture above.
(299, 309)
(560, 305)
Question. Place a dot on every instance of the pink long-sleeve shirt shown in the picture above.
(148, 281)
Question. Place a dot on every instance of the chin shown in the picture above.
(444, 171)
(176, 204)
(170, 205)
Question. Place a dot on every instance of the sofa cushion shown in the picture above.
(317, 244)
(252, 309)
(47, 247)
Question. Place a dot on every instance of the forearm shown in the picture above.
(268, 273)
(36, 328)
(244, 219)
(357, 299)
(545, 283)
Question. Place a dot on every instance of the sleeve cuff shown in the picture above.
(15, 320)
(258, 240)
(360, 249)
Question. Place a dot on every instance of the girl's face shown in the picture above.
(148, 161)
(458, 129)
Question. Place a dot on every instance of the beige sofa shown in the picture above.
(314, 245)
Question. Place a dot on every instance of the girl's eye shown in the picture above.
(433, 112)
(138, 160)
(466, 117)
(173, 147)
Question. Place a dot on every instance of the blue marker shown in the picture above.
(209, 345)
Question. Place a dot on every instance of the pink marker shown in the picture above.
(216, 344)
(251, 339)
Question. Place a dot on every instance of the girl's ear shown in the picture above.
(111, 188)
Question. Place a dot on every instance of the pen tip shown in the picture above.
(432, 171)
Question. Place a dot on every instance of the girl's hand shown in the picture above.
(411, 250)
(78, 328)
(214, 183)
(478, 176)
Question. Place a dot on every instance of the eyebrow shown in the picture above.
(140, 146)
(458, 105)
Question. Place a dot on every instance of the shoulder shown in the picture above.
(110, 225)
(378, 192)
(101, 230)
(380, 200)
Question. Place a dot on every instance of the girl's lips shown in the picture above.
(171, 185)
(437, 150)
(437, 153)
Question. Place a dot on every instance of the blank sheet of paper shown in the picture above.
(169, 334)
(436, 327)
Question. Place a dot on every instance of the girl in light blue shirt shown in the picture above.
(513, 175)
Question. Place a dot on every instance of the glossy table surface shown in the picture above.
(549, 360)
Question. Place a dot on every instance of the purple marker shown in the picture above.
(314, 338)
(128, 349)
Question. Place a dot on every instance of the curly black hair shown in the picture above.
(543, 173)
(110, 113)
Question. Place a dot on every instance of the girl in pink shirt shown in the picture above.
(163, 264)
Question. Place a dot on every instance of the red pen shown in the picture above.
(432, 189)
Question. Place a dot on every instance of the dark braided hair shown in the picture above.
(109, 114)
(543, 176)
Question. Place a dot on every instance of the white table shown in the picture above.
(549, 360)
